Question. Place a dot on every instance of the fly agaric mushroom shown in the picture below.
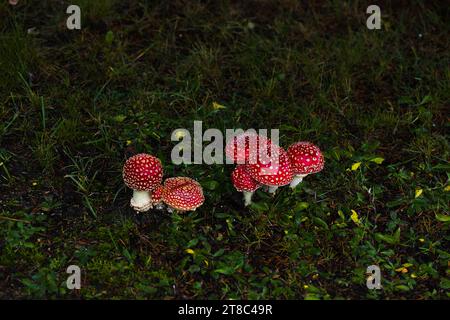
(156, 196)
(142, 173)
(274, 173)
(182, 194)
(243, 182)
(243, 147)
(306, 158)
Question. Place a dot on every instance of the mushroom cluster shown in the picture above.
(263, 163)
(143, 174)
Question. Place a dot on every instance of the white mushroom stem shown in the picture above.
(297, 179)
(141, 201)
(272, 189)
(248, 197)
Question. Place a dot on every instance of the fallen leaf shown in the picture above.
(402, 270)
(407, 265)
(355, 166)
(179, 134)
(217, 106)
(442, 217)
(377, 160)
(418, 193)
(355, 217)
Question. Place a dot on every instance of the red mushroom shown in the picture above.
(244, 183)
(245, 147)
(182, 194)
(305, 158)
(156, 200)
(142, 173)
(274, 173)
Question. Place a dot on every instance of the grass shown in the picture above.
(75, 104)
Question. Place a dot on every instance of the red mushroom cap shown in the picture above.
(142, 172)
(272, 173)
(242, 180)
(157, 195)
(305, 158)
(182, 193)
(245, 148)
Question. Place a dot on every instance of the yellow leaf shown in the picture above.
(447, 188)
(377, 160)
(180, 134)
(217, 106)
(407, 265)
(402, 270)
(355, 217)
(129, 142)
(206, 262)
(355, 166)
(418, 193)
(190, 251)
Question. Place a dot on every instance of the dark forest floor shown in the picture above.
(75, 104)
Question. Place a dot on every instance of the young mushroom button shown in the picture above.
(305, 158)
(142, 173)
(244, 183)
(182, 194)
